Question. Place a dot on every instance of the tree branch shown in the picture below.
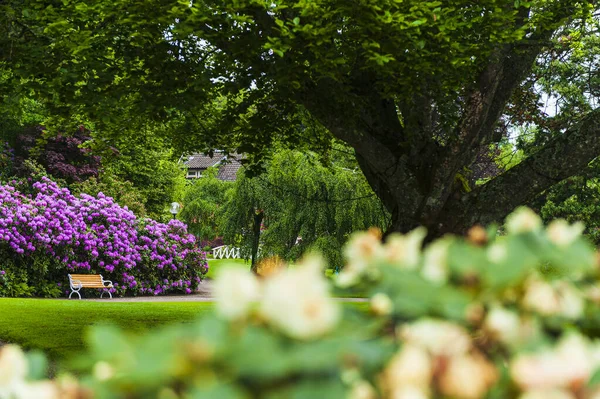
(564, 156)
(506, 69)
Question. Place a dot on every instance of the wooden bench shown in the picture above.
(79, 281)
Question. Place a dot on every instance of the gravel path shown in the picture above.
(203, 294)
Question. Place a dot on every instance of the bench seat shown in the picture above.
(79, 281)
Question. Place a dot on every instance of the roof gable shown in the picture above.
(228, 165)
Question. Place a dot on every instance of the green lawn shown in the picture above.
(215, 264)
(58, 326)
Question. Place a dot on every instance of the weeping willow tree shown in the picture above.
(301, 202)
(202, 205)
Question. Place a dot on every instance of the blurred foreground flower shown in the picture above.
(523, 220)
(14, 369)
(235, 290)
(561, 233)
(297, 301)
(569, 365)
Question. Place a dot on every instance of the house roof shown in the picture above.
(228, 165)
(228, 171)
(201, 161)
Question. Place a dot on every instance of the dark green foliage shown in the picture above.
(415, 88)
(148, 163)
(24, 276)
(576, 199)
(203, 203)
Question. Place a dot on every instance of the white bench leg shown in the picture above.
(106, 292)
(75, 292)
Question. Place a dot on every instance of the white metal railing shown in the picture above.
(226, 252)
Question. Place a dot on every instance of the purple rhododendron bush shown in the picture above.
(46, 233)
(514, 316)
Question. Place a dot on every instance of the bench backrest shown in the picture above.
(87, 280)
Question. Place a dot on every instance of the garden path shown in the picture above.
(203, 294)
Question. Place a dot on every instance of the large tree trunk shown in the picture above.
(424, 186)
(415, 195)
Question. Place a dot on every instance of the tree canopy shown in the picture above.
(416, 88)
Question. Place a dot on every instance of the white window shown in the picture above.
(191, 173)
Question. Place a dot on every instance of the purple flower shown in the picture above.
(96, 234)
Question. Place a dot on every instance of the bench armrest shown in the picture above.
(76, 284)
(107, 281)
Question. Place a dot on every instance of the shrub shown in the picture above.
(122, 191)
(48, 233)
(62, 156)
(467, 318)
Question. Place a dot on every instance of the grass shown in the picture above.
(215, 264)
(58, 326)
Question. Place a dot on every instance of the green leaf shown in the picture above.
(595, 378)
(217, 392)
(108, 342)
(38, 365)
(414, 296)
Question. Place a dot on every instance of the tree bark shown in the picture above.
(258, 218)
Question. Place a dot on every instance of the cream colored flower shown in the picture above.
(593, 293)
(575, 354)
(562, 234)
(568, 365)
(381, 304)
(348, 277)
(362, 248)
(38, 390)
(409, 392)
(362, 390)
(437, 336)
(523, 220)
(497, 252)
(557, 298)
(435, 261)
(361, 252)
(411, 366)
(540, 371)
(548, 394)
(297, 301)
(235, 290)
(103, 371)
(467, 376)
(572, 301)
(404, 251)
(13, 368)
(541, 297)
(504, 325)
(69, 387)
